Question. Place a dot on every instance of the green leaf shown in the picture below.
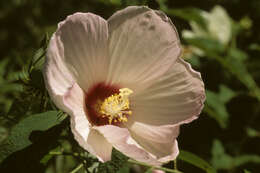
(254, 46)
(207, 45)
(111, 2)
(196, 161)
(240, 160)
(115, 2)
(239, 68)
(233, 61)
(236, 67)
(226, 94)
(215, 104)
(213, 114)
(45, 41)
(19, 136)
(246, 171)
(38, 59)
(189, 14)
(3, 133)
(237, 54)
(252, 132)
(3, 65)
(118, 161)
(124, 169)
(10, 87)
(37, 80)
(220, 160)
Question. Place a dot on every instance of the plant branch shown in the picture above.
(155, 167)
(77, 168)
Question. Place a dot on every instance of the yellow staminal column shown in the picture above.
(116, 107)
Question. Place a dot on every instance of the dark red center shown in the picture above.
(96, 94)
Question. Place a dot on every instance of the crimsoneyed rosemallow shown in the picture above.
(123, 83)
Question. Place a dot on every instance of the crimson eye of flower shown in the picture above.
(107, 104)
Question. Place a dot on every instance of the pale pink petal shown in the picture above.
(157, 140)
(74, 99)
(172, 155)
(88, 138)
(143, 44)
(80, 127)
(122, 141)
(81, 42)
(176, 98)
(100, 145)
(58, 79)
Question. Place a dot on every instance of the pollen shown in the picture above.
(116, 107)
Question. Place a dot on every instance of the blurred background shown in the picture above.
(220, 38)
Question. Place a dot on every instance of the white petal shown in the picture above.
(101, 147)
(143, 44)
(157, 140)
(87, 137)
(82, 44)
(122, 141)
(173, 155)
(74, 99)
(175, 98)
(58, 79)
(80, 127)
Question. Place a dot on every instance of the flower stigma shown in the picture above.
(116, 107)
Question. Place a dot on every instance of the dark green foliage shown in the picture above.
(20, 133)
(196, 161)
(117, 162)
(30, 141)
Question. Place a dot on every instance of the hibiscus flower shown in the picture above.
(123, 83)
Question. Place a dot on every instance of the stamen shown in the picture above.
(116, 107)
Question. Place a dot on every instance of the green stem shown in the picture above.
(155, 167)
(77, 168)
(175, 164)
(63, 153)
